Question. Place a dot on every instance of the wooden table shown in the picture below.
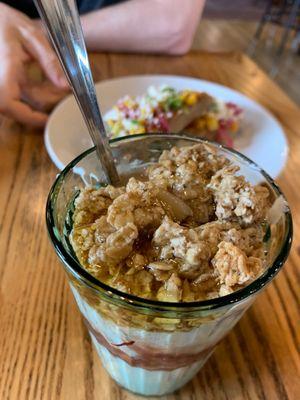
(45, 351)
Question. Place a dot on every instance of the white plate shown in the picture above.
(262, 138)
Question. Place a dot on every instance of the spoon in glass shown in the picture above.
(61, 19)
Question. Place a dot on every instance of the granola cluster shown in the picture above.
(190, 229)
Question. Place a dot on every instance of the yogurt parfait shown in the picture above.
(164, 266)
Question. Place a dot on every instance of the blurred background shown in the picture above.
(267, 30)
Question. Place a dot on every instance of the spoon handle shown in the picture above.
(61, 19)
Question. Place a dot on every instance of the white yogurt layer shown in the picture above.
(157, 382)
(142, 381)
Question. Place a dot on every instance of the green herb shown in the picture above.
(174, 103)
(170, 90)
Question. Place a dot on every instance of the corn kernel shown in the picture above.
(234, 127)
(137, 130)
(116, 127)
(141, 129)
(212, 123)
(201, 123)
(184, 94)
(191, 99)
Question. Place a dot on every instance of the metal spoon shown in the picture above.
(62, 21)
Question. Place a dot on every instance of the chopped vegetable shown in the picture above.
(154, 111)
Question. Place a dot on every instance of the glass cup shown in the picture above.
(152, 347)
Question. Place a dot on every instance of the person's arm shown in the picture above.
(159, 26)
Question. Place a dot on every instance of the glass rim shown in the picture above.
(121, 298)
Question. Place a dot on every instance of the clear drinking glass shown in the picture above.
(151, 347)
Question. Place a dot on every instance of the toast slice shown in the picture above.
(185, 116)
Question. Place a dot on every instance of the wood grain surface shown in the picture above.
(45, 351)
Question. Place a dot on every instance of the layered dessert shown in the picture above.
(188, 228)
(167, 110)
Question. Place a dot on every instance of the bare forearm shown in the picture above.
(162, 26)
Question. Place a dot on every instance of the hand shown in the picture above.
(38, 92)
(21, 41)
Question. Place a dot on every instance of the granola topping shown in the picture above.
(193, 229)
